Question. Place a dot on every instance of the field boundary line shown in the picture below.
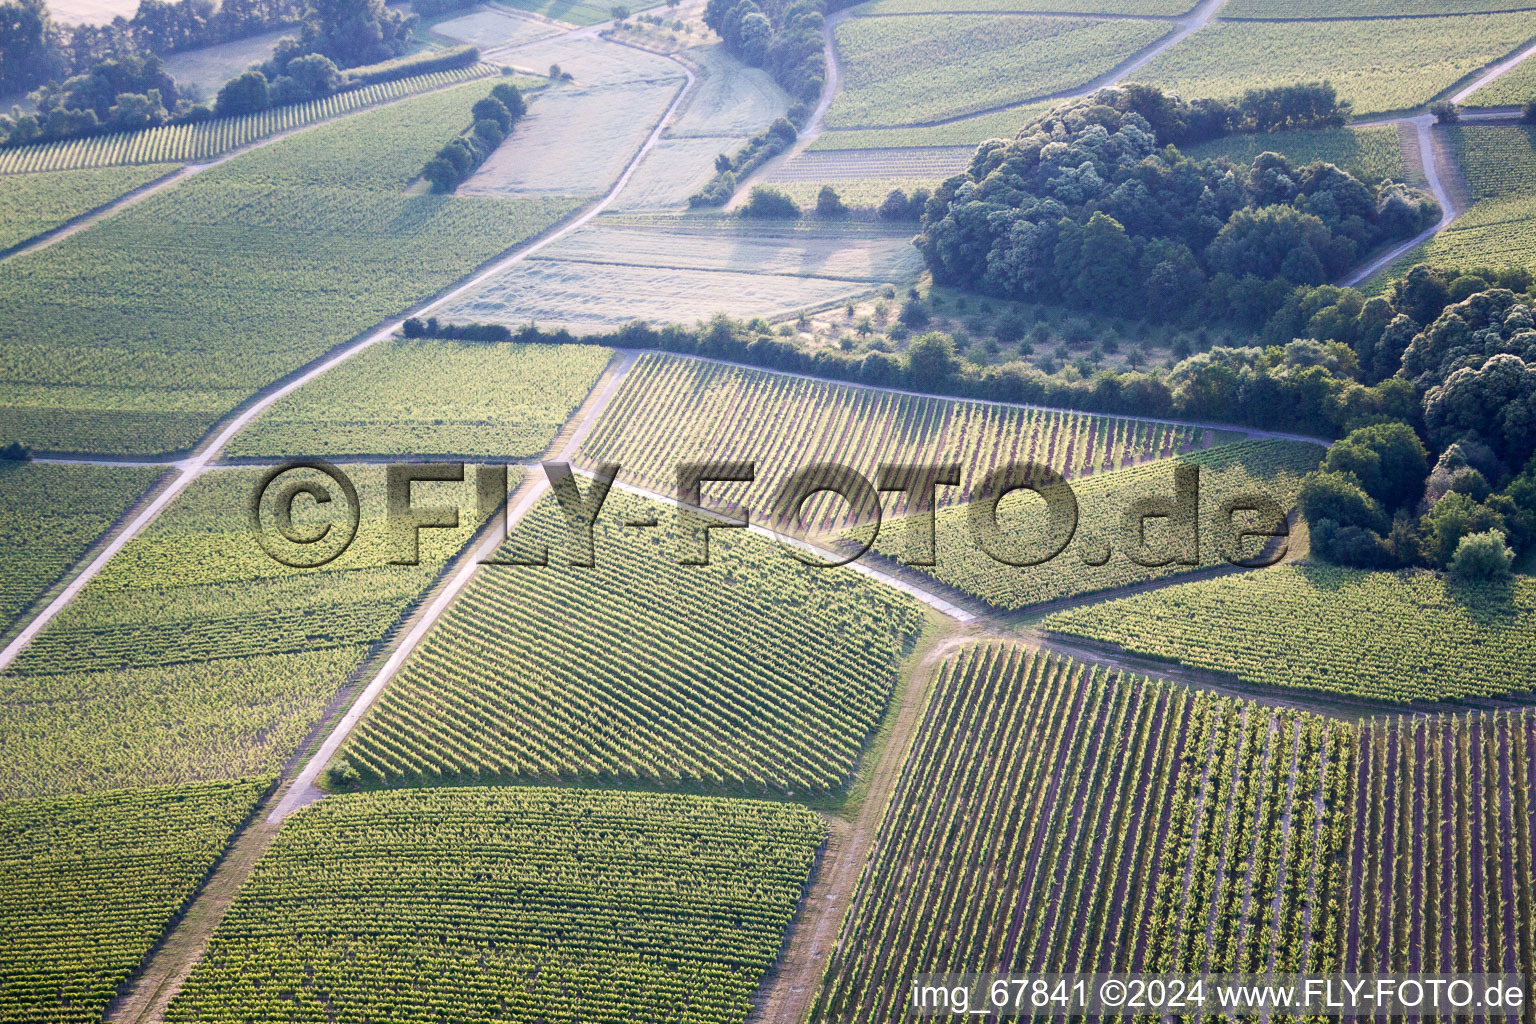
(207, 451)
(1378, 17)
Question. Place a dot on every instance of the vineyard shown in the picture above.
(423, 398)
(88, 884)
(1497, 161)
(934, 163)
(34, 203)
(1270, 468)
(187, 143)
(966, 131)
(1378, 65)
(510, 904)
(911, 68)
(1154, 8)
(1053, 817)
(1512, 89)
(193, 655)
(1377, 635)
(49, 515)
(1308, 9)
(1441, 866)
(1370, 154)
(752, 674)
(673, 410)
(230, 278)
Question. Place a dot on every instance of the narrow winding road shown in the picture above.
(1431, 157)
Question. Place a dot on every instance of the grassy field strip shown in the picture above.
(196, 464)
(195, 142)
(916, 162)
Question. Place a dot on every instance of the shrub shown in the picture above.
(766, 202)
(829, 203)
(244, 94)
(1445, 112)
(1482, 556)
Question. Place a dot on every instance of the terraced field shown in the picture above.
(673, 410)
(1427, 638)
(33, 203)
(671, 270)
(908, 69)
(1378, 65)
(753, 674)
(89, 883)
(135, 336)
(1054, 817)
(1271, 468)
(49, 515)
(434, 397)
(573, 906)
(1370, 154)
(194, 655)
(187, 143)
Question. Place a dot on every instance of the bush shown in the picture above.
(1482, 556)
(1529, 117)
(770, 203)
(829, 203)
(244, 94)
(343, 776)
(15, 452)
(914, 313)
(1445, 112)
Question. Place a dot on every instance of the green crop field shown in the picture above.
(49, 515)
(1382, 636)
(1512, 89)
(193, 655)
(907, 69)
(1308, 9)
(89, 883)
(1154, 8)
(965, 131)
(1378, 65)
(1270, 468)
(138, 334)
(751, 674)
(33, 203)
(512, 904)
(1054, 817)
(1370, 154)
(1499, 165)
(184, 143)
(420, 398)
(672, 410)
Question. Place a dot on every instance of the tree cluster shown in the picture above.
(1087, 208)
(781, 36)
(729, 170)
(34, 50)
(767, 203)
(493, 119)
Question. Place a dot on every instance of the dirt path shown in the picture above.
(194, 465)
(1435, 159)
(1495, 71)
(303, 790)
(786, 995)
(143, 192)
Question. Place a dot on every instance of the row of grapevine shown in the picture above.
(194, 655)
(88, 883)
(1385, 636)
(673, 410)
(1054, 817)
(509, 904)
(1270, 468)
(186, 143)
(1441, 874)
(753, 673)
